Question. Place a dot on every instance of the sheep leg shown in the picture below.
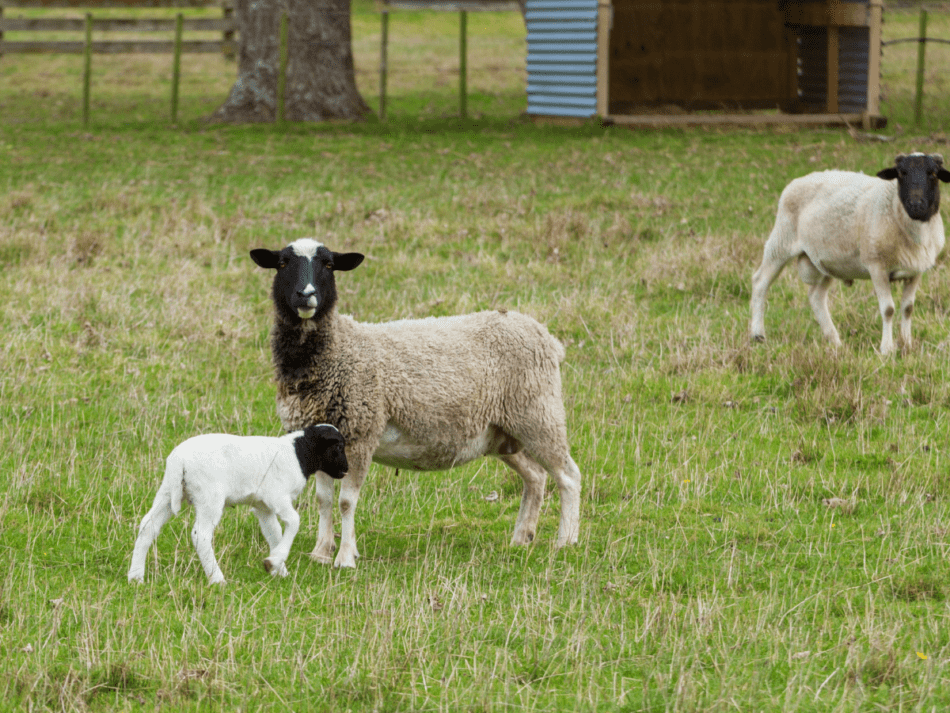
(545, 440)
(533, 476)
(349, 496)
(762, 279)
(882, 288)
(152, 524)
(323, 487)
(270, 528)
(818, 298)
(907, 309)
(278, 553)
(206, 520)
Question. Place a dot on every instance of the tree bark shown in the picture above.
(320, 78)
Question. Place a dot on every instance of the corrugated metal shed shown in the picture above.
(815, 61)
(562, 57)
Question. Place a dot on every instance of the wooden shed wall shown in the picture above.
(700, 54)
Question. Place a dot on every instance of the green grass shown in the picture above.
(764, 527)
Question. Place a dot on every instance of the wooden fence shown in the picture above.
(88, 24)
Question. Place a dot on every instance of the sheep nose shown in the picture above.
(307, 291)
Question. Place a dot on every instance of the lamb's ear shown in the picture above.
(888, 174)
(347, 261)
(269, 259)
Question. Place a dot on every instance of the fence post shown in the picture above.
(383, 64)
(227, 12)
(463, 53)
(176, 66)
(922, 44)
(87, 71)
(282, 70)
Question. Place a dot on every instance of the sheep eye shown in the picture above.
(328, 265)
(282, 264)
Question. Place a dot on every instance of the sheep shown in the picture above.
(851, 226)
(424, 394)
(216, 470)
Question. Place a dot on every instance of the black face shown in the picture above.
(917, 185)
(321, 448)
(304, 286)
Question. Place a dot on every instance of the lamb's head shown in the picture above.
(322, 448)
(304, 286)
(917, 176)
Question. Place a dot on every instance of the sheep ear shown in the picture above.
(269, 259)
(888, 174)
(944, 175)
(347, 261)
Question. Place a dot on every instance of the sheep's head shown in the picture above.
(917, 176)
(322, 448)
(304, 286)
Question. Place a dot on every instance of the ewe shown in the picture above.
(216, 470)
(855, 227)
(426, 394)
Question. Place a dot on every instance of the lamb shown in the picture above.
(216, 470)
(426, 394)
(851, 226)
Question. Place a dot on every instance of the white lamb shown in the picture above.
(422, 394)
(217, 470)
(851, 226)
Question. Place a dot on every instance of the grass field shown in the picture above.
(764, 527)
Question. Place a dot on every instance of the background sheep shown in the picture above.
(216, 470)
(855, 227)
(424, 394)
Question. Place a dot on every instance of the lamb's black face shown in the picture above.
(917, 176)
(321, 448)
(304, 286)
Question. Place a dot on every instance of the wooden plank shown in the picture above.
(604, 17)
(829, 14)
(654, 121)
(98, 4)
(163, 47)
(831, 94)
(874, 60)
(114, 25)
(454, 5)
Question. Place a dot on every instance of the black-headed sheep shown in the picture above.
(850, 226)
(218, 470)
(426, 394)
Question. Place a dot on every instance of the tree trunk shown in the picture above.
(320, 78)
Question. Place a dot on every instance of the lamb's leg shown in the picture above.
(771, 267)
(151, 525)
(323, 488)
(882, 288)
(270, 528)
(532, 496)
(907, 309)
(206, 520)
(349, 496)
(278, 554)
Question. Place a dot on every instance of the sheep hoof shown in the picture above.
(758, 338)
(268, 565)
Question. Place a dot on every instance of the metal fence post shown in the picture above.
(463, 62)
(383, 64)
(87, 71)
(176, 66)
(921, 49)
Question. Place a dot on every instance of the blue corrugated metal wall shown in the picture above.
(562, 57)
(853, 60)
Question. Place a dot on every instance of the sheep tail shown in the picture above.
(173, 484)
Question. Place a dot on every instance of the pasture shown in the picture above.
(763, 527)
